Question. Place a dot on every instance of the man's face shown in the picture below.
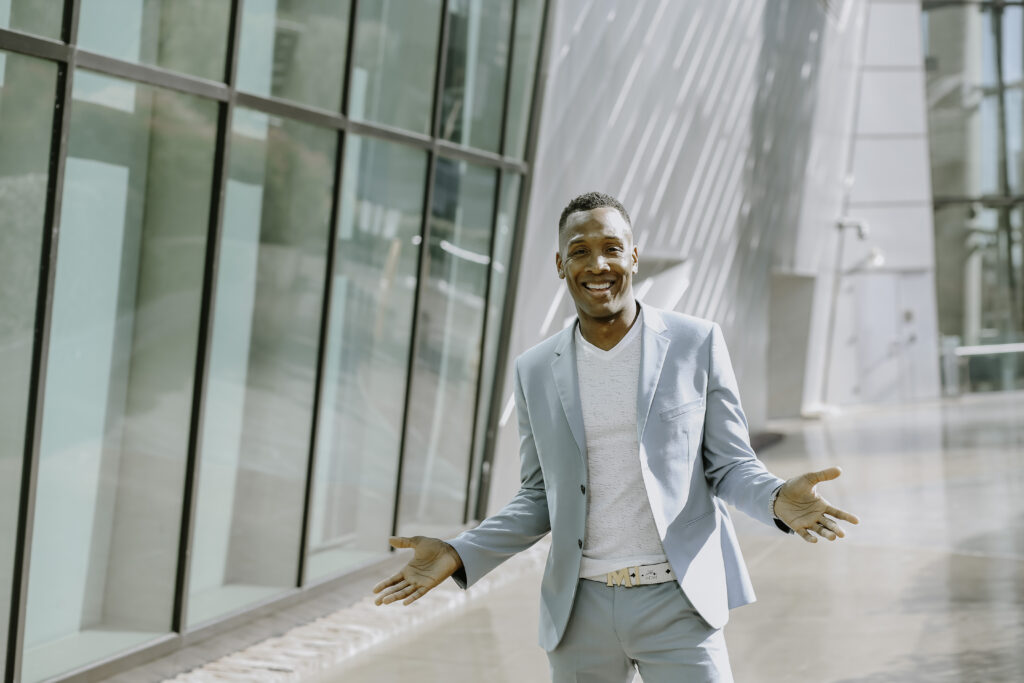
(597, 259)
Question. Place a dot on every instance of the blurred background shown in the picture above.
(265, 265)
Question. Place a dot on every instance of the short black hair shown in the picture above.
(592, 200)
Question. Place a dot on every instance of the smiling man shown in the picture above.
(632, 439)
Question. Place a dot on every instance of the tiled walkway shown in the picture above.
(929, 587)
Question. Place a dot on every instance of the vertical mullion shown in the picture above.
(206, 316)
(508, 76)
(422, 272)
(40, 349)
(510, 62)
(423, 264)
(518, 238)
(495, 214)
(350, 51)
(325, 312)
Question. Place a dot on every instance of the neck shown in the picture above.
(605, 333)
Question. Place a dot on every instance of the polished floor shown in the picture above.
(929, 587)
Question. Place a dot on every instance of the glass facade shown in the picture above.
(26, 112)
(240, 343)
(977, 152)
(123, 329)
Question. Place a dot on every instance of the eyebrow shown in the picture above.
(606, 238)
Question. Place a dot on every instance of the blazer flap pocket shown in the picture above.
(687, 407)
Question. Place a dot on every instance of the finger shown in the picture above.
(842, 514)
(401, 542)
(390, 581)
(382, 598)
(826, 474)
(807, 536)
(833, 527)
(824, 532)
(398, 595)
(420, 592)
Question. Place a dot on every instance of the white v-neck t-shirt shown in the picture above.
(620, 525)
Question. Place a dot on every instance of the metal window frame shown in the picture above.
(325, 311)
(68, 57)
(475, 464)
(206, 317)
(541, 67)
(423, 258)
(40, 351)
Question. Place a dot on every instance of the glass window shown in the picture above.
(393, 63)
(500, 258)
(525, 51)
(32, 16)
(27, 88)
(367, 357)
(263, 358)
(451, 320)
(122, 353)
(475, 71)
(181, 35)
(294, 50)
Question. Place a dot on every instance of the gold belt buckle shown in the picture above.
(621, 577)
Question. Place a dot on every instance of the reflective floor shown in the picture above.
(929, 587)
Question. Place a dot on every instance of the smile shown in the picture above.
(597, 286)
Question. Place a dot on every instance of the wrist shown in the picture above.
(772, 500)
(454, 554)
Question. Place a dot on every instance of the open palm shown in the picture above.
(433, 561)
(804, 511)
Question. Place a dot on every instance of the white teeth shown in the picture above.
(598, 287)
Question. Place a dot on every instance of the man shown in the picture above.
(631, 437)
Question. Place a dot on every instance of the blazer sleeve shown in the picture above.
(520, 524)
(732, 468)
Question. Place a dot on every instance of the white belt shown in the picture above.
(644, 575)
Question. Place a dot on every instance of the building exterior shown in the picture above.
(253, 264)
(265, 264)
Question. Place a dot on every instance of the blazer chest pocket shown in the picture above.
(683, 409)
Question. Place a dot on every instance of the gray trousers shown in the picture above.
(614, 631)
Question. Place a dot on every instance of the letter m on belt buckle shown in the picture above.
(619, 577)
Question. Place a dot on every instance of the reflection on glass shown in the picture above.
(369, 334)
(260, 384)
(525, 51)
(122, 352)
(32, 16)
(26, 115)
(393, 63)
(451, 320)
(294, 50)
(502, 254)
(181, 35)
(475, 72)
(976, 143)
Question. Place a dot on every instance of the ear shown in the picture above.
(558, 265)
(636, 260)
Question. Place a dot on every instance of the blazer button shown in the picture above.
(580, 543)
(583, 489)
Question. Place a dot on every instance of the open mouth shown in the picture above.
(597, 287)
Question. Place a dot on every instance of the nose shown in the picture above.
(597, 264)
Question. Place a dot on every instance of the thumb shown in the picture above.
(401, 542)
(826, 474)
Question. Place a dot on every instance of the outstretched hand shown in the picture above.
(433, 561)
(806, 512)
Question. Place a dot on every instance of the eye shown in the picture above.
(615, 249)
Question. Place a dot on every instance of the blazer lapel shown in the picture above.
(563, 366)
(652, 358)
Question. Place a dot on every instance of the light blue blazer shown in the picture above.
(694, 454)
